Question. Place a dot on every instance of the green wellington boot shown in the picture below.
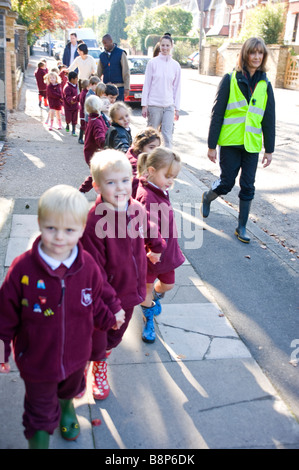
(240, 232)
(40, 440)
(69, 425)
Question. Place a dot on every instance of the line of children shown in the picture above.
(52, 298)
(56, 284)
(121, 255)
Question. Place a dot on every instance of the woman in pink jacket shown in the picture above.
(162, 91)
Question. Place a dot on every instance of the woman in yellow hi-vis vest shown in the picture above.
(243, 116)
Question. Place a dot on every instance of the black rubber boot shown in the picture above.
(207, 198)
(240, 232)
(40, 440)
(80, 140)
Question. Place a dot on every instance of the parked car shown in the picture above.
(192, 57)
(57, 50)
(95, 53)
(195, 62)
(137, 65)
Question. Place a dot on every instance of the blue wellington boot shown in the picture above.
(149, 334)
(157, 297)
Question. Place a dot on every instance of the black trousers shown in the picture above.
(232, 160)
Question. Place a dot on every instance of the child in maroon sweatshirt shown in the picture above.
(144, 141)
(51, 300)
(114, 237)
(157, 171)
(94, 135)
(71, 102)
(54, 95)
(39, 74)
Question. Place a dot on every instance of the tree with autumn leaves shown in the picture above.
(44, 15)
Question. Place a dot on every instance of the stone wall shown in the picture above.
(208, 60)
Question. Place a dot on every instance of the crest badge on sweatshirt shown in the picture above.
(86, 297)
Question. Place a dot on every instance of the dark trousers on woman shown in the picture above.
(232, 160)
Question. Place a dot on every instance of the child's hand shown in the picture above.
(120, 319)
(154, 257)
(4, 368)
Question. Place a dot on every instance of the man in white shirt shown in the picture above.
(70, 51)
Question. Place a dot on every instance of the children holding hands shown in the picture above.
(114, 238)
(157, 171)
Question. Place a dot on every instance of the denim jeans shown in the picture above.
(164, 117)
(232, 159)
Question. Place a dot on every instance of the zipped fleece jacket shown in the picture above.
(54, 96)
(163, 235)
(162, 83)
(70, 97)
(94, 135)
(39, 77)
(121, 257)
(49, 319)
(118, 138)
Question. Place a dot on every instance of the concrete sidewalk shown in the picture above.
(198, 386)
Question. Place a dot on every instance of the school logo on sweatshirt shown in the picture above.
(86, 297)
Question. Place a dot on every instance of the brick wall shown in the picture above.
(208, 61)
(276, 64)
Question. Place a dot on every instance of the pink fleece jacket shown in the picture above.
(162, 84)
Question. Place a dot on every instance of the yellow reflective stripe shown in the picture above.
(236, 120)
(236, 104)
(255, 110)
(254, 130)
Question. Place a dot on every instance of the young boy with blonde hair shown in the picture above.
(52, 299)
(114, 237)
(95, 134)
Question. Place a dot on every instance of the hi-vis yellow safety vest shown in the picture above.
(242, 121)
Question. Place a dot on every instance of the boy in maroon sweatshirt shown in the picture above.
(94, 135)
(51, 300)
(114, 237)
(71, 102)
(39, 74)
